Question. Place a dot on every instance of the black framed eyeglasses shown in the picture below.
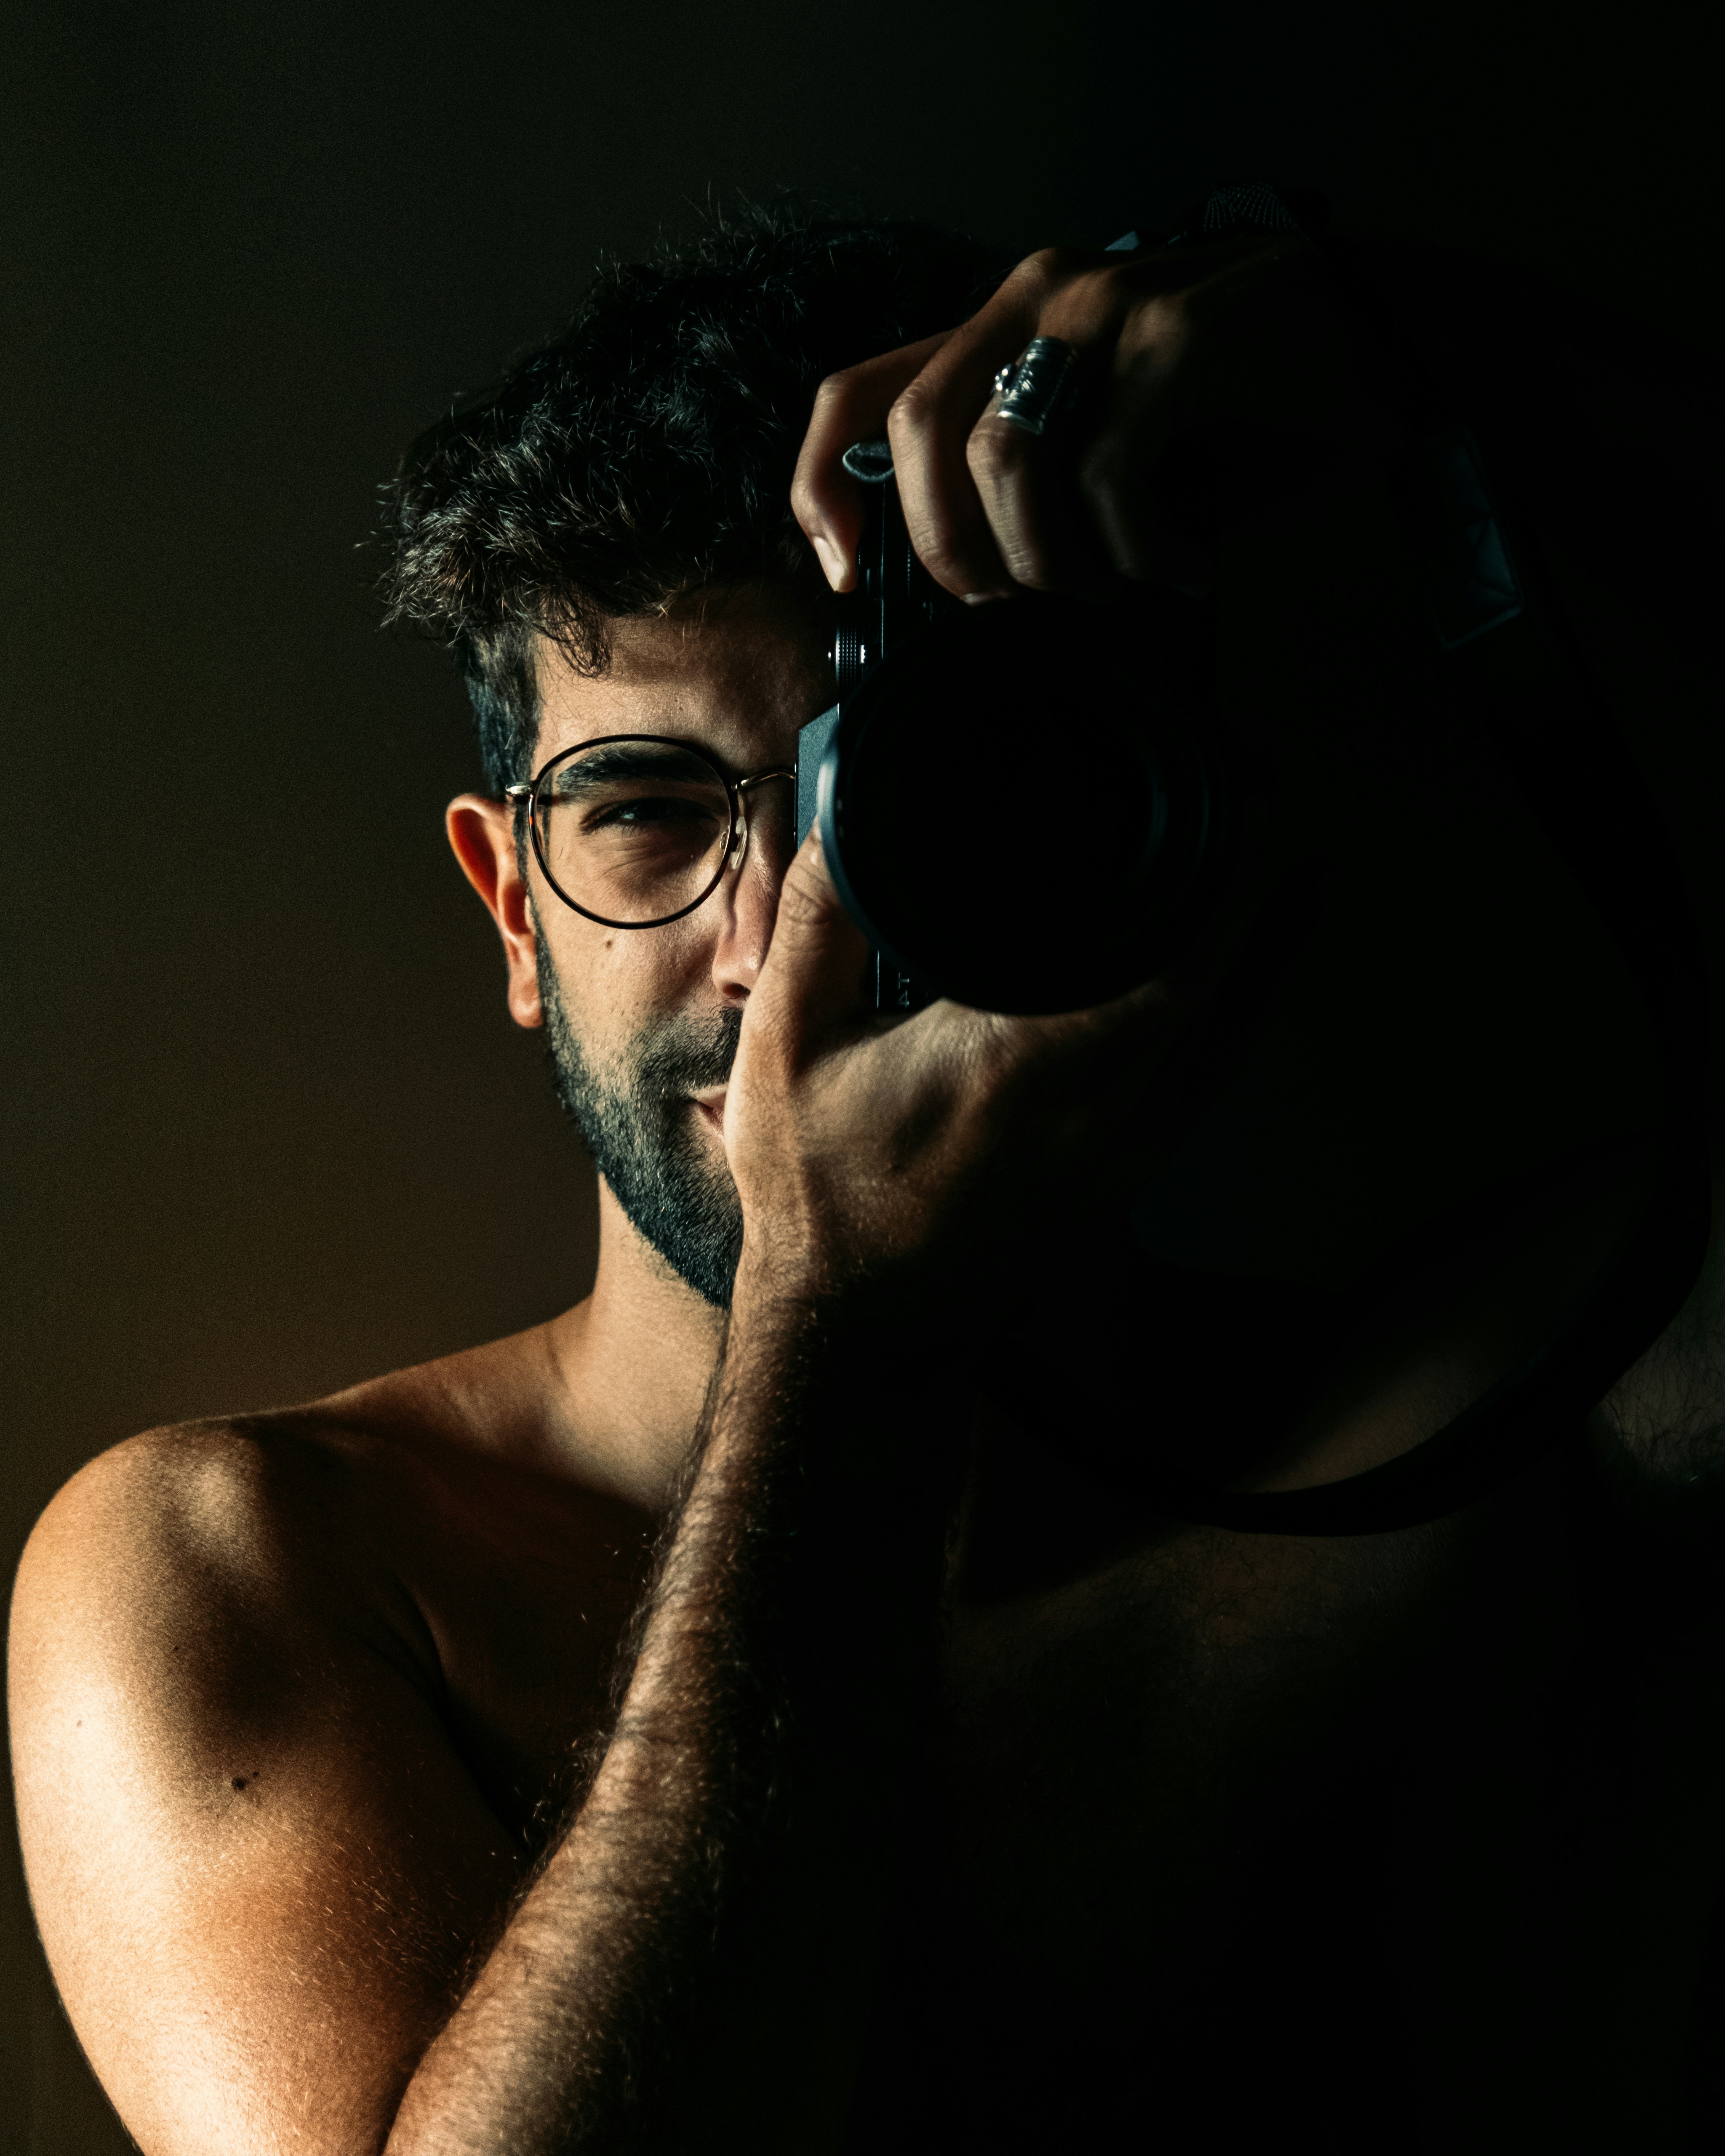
(635, 830)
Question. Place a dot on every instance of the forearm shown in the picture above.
(748, 1792)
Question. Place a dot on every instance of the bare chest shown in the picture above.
(1332, 1827)
(1446, 1800)
(525, 1589)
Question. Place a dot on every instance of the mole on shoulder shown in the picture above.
(239, 1781)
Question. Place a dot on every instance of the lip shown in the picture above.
(712, 1104)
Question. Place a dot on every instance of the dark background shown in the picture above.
(268, 1129)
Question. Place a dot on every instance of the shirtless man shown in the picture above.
(728, 1716)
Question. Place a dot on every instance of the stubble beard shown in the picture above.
(640, 1129)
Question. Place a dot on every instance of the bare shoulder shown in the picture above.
(324, 1499)
(253, 1830)
(217, 1495)
(164, 1549)
(200, 1575)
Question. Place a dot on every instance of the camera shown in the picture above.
(1021, 803)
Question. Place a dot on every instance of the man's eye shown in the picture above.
(645, 809)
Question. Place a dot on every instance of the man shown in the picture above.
(738, 1713)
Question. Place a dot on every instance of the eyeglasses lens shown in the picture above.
(632, 831)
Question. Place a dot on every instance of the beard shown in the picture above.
(641, 1128)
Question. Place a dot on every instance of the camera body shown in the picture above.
(1022, 804)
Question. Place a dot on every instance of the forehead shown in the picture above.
(737, 673)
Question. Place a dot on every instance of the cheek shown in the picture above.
(611, 978)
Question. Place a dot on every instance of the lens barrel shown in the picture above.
(1021, 805)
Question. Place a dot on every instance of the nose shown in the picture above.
(747, 900)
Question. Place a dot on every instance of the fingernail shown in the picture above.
(980, 599)
(832, 562)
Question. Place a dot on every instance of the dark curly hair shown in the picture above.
(648, 450)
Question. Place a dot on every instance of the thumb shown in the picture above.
(812, 984)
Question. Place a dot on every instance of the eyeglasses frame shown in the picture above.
(526, 795)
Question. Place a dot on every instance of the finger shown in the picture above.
(1048, 498)
(851, 407)
(811, 984)
(929, 427)
(979, 490)
(1027, 487)
(1146, 505)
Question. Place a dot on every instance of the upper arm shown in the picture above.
(257, 1864)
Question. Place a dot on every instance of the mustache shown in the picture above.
(676, 1054)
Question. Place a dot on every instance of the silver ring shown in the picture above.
(1032, 388)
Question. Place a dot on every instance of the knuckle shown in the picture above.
(1048, 267)
(913, 416)
(804, 897)
(1027, 565)
(837, 390)
(1197, 304)
(1113, 282)
(995, 453)
(1164, 317)
(945, 563)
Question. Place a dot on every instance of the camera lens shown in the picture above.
(1019, 805)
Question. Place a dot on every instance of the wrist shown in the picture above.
(856, 1369)
(783, 1284)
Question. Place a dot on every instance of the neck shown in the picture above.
(629, 1365)
(631, 1362)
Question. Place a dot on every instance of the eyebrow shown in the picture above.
(587, 772)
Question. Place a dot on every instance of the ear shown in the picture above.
(482, 834)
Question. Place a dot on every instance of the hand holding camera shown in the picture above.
(1092, 435)
(1213, 382)
(862, 1151)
